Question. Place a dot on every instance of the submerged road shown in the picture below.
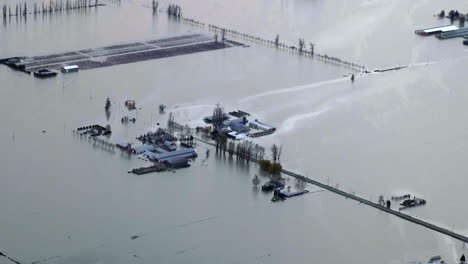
(366, 202)
(378, 206)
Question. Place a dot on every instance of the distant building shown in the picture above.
(185, 153)
(236, 136)
(237, 125)
(177, 163)
(242, 120)
(239, 128)
(258, 125)
(209, 119)
(239, 113)
(435, 30)
(123, 145)
(143, 148)
(170, 146)
(71, 68)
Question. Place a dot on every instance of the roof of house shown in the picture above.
(143, 148)
(185, 152)
(261, 125)
(239, 127)
(71, 67)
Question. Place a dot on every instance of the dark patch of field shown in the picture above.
(235, 43)
(151, 55)
(45, 57)
(183, 42)
(55, 60)
(174, 38)
(105, 52)
(126, 53)
(164, 53)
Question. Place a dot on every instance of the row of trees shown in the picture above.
(301, 48)
(50, 7)
(174, 11)
(170, 120)
(271, 167)
(454, 15)
(155, 6)
(218, 117)
(276, 152)
(172, 125)
(245, 151)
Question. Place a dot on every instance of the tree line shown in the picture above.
(174, 11)
(244, 151)
(47, 7)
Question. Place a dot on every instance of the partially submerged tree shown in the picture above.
(170, 120)
(231, 148)
(275, 152)
(162, 108)
(273, 168)
(442, 14)
(311, 46)
(155, 5)
(218, 117)
(301, 45)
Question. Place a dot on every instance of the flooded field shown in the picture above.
(67, 200)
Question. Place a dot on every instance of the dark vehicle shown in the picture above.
(413, 202)
(44, 73)
(272, 185)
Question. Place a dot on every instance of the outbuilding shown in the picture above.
(70, 68)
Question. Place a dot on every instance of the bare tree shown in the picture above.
(170, 121)
(312, 46)
(301, 45)
(162, 108)
(274, 152)
(231, 148)
(218, 117)
(277, 40)
(279, 152)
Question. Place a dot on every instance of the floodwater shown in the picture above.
(65, 200)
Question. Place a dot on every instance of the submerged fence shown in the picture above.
(47, 7)
(299, 50)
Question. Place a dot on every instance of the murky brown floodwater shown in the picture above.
(65, 201)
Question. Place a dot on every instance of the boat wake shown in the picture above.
(290, 123)
(292, 89)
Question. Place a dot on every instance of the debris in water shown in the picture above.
(108, 104)
(130, 104)
(136, 236)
